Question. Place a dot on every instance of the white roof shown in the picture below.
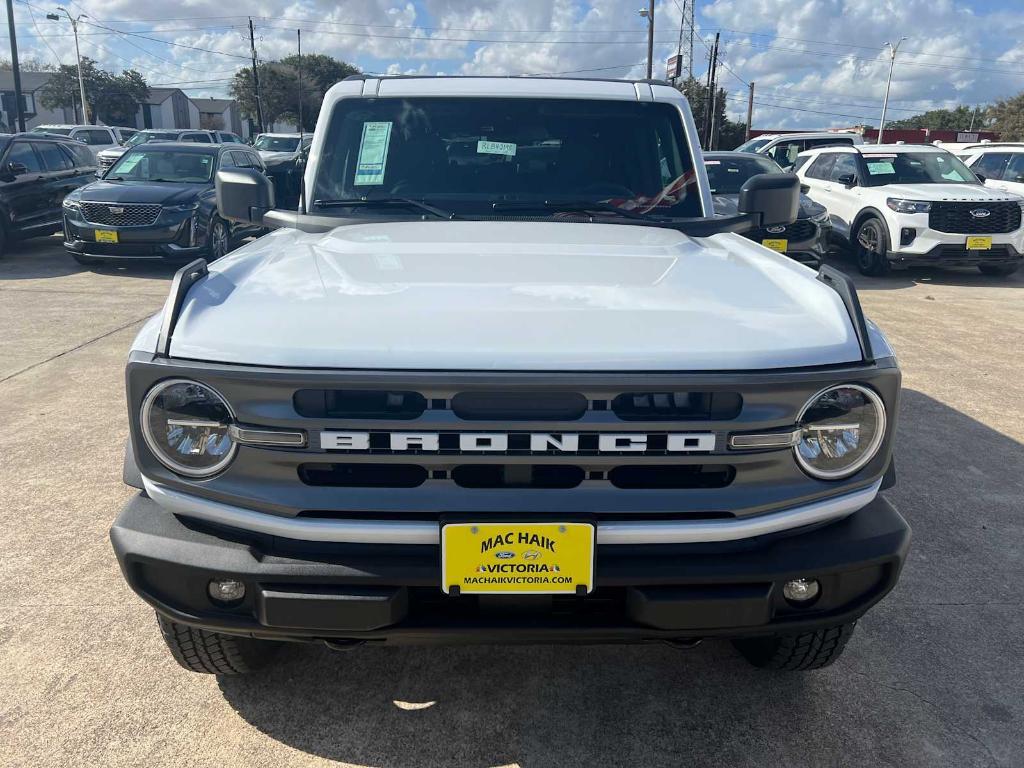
(807, 135)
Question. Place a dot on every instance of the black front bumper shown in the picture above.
(810, 251)
(352, 592)
(170, 238)
(957, 256)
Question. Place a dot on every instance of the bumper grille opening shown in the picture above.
(517, 476)
(975, 218)
(519, 406)
(671, 477)
(358, 404)
(677, 406)
(363, 475)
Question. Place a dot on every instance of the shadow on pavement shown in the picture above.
(44, 257)
(920, 684)
(968, 277)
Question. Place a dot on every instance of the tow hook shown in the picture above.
(684, 644)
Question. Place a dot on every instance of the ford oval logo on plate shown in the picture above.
(776, 230)
(981, 213)
(504, 555)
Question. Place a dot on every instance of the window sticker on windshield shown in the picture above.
(712, 162)
(506, 148)
(880, 168)
(129, 163)
(373, 153)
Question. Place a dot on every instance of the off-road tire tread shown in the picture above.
(212, 652)
(804, 651)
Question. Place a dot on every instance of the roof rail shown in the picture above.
(184, 279)
(843, 285)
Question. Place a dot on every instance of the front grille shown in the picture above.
(106, 162)
(121, 215)
(797, 232)
(958, 217)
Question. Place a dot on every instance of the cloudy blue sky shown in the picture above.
(815, 62)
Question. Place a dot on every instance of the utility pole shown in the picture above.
(677, 70)
(78, 56)
(255, 78)
(750, 110)
(888, 83)
(298, 34)
(648, 13)
(712, 94)
(689, 56)
(974, 114)
(15, 69)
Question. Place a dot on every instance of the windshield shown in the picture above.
(44, 129)
(162, 165)
(726, 175)
(916, 168)
(277, 143)
(753, 145)
(143, 137)
(467, 154)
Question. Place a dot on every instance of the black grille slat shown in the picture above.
(797, 232)
(956, 217)
(677, 406)
(118, 215)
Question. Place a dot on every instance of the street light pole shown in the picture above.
(888, 83)
(648, 13)
(78, 56)
(19, 109)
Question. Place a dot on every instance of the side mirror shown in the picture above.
(847, 180)
(244, 195)
(774, 196)
(805, 188)
(16, 169)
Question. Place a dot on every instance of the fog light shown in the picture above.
(801, 590)
(226, 590)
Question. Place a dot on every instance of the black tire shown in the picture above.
(214, 653)
(871, 244)
(808, 650)
(3, 240)
(85, 261)
(218, 239)
(998, 270)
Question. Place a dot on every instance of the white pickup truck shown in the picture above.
(504, 377)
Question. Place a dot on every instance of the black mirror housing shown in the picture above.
(774, 197)
(981, 177)
(847, 180)
(16, 169)
(244, 195)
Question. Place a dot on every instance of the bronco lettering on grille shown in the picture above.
(501, 442)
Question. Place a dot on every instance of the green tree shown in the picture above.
(113, 99)
(728, 135)
(279, 87)
(958, 119)
(1006, 117)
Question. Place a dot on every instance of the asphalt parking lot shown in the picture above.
(933, 677)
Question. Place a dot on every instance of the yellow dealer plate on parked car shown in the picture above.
(776, 245)
(979, 243)
(106, 236)
(524, 558)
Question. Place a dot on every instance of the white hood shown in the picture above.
(512, 296)
(947, 192)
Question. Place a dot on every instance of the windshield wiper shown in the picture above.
(570, 206)
(385, 202)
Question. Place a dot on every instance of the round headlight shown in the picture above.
(841, 430)
(185, 424)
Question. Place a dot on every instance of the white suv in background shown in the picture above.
(96, 137)
(784, 148)
(1000, 165)
(906, 204)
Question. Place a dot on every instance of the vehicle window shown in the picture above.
(127, 133)
(228, 160)
(142, 164)
(727, 175)
(200, 138)
(837, 141)
(79, 154)
(22, 153)
(45, 129)
(52, 157)
(94, 136)
(845, 165)
(473, 152)
(822, 166)
(1015, 169)
(277, 143)
(753, 145)
(991, 164)
(229, 138)
(784, 153)
(917, 168)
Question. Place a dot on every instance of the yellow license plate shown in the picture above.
(776, 245)
(524, 558)
(979, 243)
(106, 236)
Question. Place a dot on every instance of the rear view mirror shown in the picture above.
(244, 195)
(775, 197)
(847, 180)
(17, 169)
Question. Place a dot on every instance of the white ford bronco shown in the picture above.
(504, 377)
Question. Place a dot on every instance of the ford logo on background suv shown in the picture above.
(981, 213)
